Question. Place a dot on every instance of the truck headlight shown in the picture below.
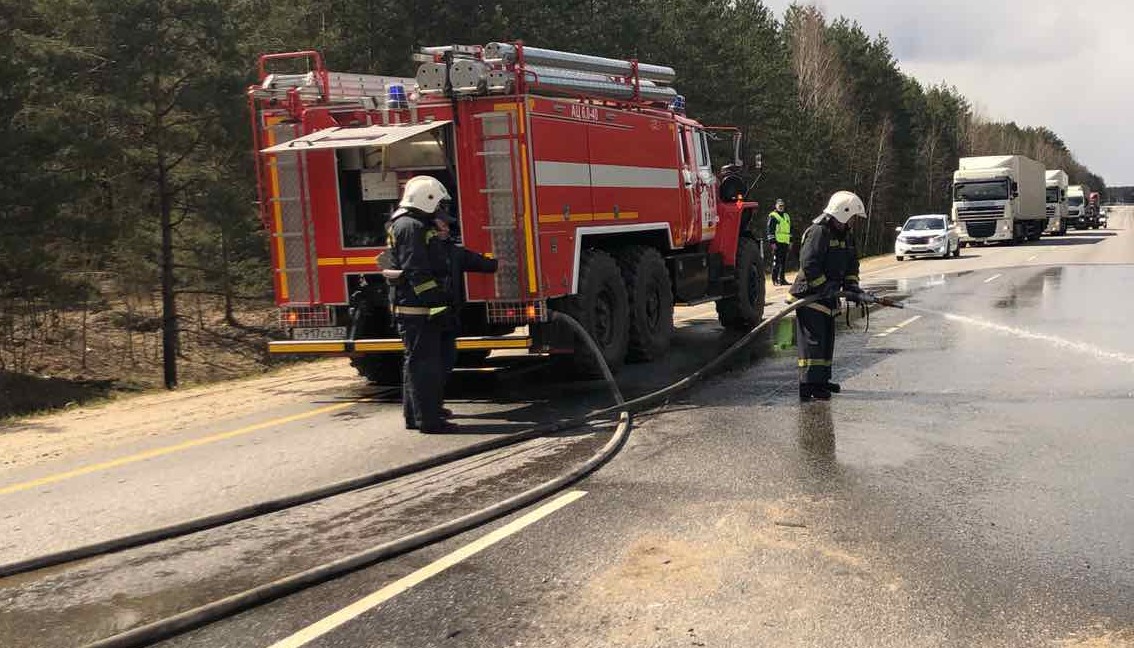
(1004, 227)
(934, 240)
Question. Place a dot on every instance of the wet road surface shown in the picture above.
(971, 487)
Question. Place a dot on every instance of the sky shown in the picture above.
(1067, 65)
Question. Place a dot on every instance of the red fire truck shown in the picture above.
(580, 174)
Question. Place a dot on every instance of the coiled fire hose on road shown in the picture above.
(214, 611)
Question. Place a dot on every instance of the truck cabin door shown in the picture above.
(704, 184)
(699, 183)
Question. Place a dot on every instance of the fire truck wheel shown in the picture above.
(602, 308)
(746, 308)
(381, 369)
(651, 302)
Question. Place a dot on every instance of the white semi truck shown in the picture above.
(1083, 213)
(999, 198)
(1056, 202)
(1077, 206)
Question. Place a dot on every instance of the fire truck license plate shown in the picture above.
(321, 333)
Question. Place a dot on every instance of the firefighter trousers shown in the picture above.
(423, 376)
(815, 338)
(448, 354)
(779, 262)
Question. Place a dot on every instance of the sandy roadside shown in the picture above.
(28, 441)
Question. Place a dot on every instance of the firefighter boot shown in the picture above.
(809, 392)
(444, 427)
(834, 388)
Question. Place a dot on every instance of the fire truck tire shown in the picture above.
(381, 369)
(746, 308)
(651, 302)
(602, 307)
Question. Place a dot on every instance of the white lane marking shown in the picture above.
(898, 327)
(1018, 333)
(993, 278)
(363, 605)
(1033, 257)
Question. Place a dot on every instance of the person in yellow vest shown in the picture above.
(779, 237)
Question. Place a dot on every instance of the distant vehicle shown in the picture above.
(1056, 202)
(1092, 218)
(1102, 217)
(999, 198)
(927, 235)
(1077, 212)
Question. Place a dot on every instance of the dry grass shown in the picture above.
(76, 358)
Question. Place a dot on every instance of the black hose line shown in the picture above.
(646, 400)
(272, 506)
(215, 520)
(210, 612)
(258, 509)
(214, 611)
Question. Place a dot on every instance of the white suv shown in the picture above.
(927, 235)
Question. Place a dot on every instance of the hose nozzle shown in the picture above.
(871, 298)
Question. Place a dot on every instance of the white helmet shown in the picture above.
(845, 205)
(423, 193)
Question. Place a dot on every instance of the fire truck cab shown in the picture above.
(581, 175)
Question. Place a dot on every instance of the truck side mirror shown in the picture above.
(898, 230)
(757, 161)
(1015, 189)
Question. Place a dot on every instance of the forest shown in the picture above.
(128, 225)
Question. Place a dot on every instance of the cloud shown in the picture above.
(1060, 64)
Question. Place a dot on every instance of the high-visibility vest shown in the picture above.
(783, 227)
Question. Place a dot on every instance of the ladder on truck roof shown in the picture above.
(514, 68)
(318, 84)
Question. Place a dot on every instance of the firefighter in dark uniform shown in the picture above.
(461, 260)
(828, 264)
(417, 265)
(779, 236)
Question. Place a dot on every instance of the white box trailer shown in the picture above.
(999, 198)
(1056, 199)
(1078, 206)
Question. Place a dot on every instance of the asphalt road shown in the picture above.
(971, 487)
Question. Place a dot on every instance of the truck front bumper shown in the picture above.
(390, 345)
(1001, 231)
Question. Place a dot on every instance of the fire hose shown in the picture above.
(216, 610)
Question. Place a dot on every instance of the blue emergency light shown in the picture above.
(678, 104)
(396, 98)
